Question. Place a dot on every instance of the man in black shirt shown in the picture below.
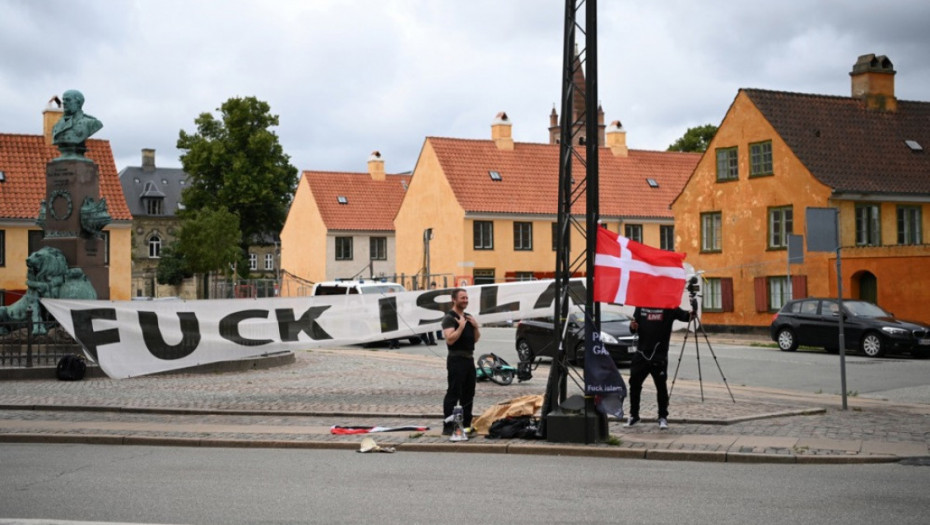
(461, 333)
(654, 326)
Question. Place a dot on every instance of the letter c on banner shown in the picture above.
(229, 327)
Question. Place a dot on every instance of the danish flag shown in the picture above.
(628, 272)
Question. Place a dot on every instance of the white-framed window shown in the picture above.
(522, 236)
(909, 230)
(634, 232)
(711, 224)
(868, 225)
(154, 246)
(378, 248)
(712, 293)
(484, 235)
(779, 292)
(667, 237)
(269, 261)
(253, 261)
(727, 164)
(343, 248)
(781, 223)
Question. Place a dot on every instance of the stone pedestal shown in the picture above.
(67, 184)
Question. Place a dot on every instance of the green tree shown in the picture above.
(172, 267)
(209, 240)
(237, 162)
(695, 139)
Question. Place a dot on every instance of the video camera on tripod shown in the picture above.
(693, 290)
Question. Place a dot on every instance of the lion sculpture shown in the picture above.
(47, 275)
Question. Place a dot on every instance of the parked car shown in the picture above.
(867, 327)
(535, 337)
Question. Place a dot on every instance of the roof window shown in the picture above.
(914, 145)
(652, 183)
(342, 199)
(495, 175)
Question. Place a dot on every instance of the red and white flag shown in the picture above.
(628, 272)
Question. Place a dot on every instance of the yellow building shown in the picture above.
(22, 188)
(340, 225)
(491, 205)
(776, 155)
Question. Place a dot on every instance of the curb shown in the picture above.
(476, 448)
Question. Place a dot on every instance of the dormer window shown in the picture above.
(342, 199)
(153, 206)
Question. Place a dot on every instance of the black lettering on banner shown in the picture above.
(290, 328)
(229, 327)
(427, 300)
(83, 322)
(387, 310)
(155, 342)
(576, 294)
(488, 302)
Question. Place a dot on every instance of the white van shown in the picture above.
(356, 287)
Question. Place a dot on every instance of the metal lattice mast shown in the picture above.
(571, 191)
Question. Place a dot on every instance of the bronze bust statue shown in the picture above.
(74, 128)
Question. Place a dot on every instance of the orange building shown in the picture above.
(777, 154)
(22, 188)
(340, 225)
(492, 204)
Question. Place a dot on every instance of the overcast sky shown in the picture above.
(349, 77)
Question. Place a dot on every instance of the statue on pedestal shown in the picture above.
(74, 128)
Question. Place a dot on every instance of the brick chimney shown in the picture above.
(873, 82)
(148, 159)
(50, 116)
(500, 132)
(616, 139)
(376, 166)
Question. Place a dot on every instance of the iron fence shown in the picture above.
(20, 347)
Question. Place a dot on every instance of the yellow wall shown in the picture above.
(303, 243)
(13, 275)
(430, 203)
(120, 261)
(744, 207)
(903, 282)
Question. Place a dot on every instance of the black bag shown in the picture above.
(71, 368)
(523, 427)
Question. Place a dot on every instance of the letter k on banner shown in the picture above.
(628, 272)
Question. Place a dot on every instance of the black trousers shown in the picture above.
(461, 377)
(641, 368)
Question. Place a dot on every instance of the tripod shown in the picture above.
(695, 322)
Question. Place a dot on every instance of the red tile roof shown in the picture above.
(849, 147)
(370, 204)
(23, 159)
(530, 173)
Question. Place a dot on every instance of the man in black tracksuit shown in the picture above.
(461, 333)
(654, 326)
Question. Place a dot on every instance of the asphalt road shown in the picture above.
(900, 379)
(232, 486)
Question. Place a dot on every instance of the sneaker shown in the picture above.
(632, 421)
(663, 423)
(470, 431)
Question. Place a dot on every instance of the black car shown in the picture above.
(535, 337)
(815, 322)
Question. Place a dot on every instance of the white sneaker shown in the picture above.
(663, 424)
(632, 421)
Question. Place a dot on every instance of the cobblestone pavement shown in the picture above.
(296, 404)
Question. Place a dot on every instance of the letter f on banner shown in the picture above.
(628, 272)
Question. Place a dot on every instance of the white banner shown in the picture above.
(133, 338)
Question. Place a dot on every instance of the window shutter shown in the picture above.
(726, 294)
(762, 294)
(799, 286)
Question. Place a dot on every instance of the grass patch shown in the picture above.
(415, 435)
(614, 441)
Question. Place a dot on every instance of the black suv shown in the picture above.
(815, 322)
(535, 337)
